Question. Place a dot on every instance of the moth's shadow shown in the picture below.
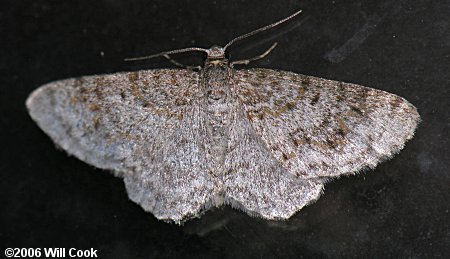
(325, 213)
(222, 218)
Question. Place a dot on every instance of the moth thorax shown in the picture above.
(216, 80)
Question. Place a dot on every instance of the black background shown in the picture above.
(400, 209)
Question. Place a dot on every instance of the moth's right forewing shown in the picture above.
(322, 128)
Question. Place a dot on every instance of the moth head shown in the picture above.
(216, 52)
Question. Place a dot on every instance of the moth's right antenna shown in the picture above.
(261, 29)
(167, 53)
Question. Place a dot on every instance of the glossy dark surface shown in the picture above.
(400, 209)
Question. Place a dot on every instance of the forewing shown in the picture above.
(320, 128)
(145, 126)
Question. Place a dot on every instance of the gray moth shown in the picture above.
(261, 140)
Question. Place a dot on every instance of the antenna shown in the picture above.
(167, 53)
(260, 29)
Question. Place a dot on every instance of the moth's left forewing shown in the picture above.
(147, 126)
(320, 128)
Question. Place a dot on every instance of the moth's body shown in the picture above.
(215, 81)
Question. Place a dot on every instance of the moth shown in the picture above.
(184, 140)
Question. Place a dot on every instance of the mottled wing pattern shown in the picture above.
(319, 128)
(148, 128)
(256, 183)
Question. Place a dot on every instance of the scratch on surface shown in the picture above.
(338, 54)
